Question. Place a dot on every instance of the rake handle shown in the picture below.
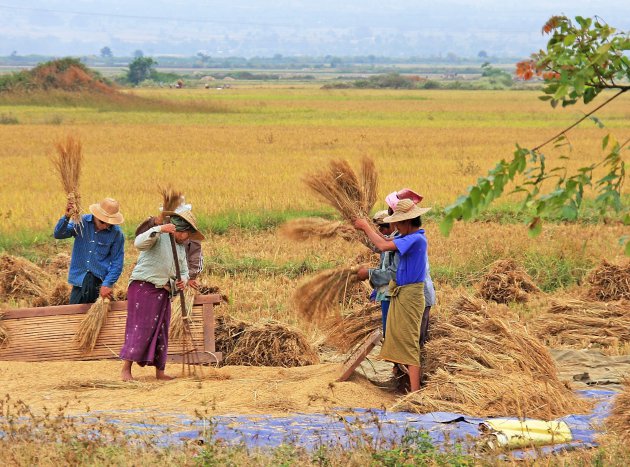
(178, 273)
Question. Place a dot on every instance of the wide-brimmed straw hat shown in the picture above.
(189, 217)
(108, 210)
(379, 216)
(406, 209)
(406, 193)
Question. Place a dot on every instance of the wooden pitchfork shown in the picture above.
(190, 355)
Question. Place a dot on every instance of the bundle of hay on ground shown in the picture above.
(67, 161)
(350, 330)
(90, 327)
(227, 332)
(59, 264)
(272, 344)
(505, 282)
(579, 323)
(21, 279)
(610, 282)
(319, 297)
(618, 423)
(319, 228)
(480, 361)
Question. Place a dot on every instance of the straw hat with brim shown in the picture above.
(189, 217)
(406, 209)
(108, 210)
(379, 216)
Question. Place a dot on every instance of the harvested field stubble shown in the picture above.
(481, 361)
(619, 420)
(505, 282)
(579, 323)
(610, 282)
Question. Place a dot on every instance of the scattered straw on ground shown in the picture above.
(319, 228)
(579, 324)
(481, 361)
(350, 330)
(319, 297)
(506, 281)
(21, 279)
(86, 384)
(619, 420)
(272, 344)
(610, 282)
(90, 327)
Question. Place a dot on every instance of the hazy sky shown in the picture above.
(266, 27)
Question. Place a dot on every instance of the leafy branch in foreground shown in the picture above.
(580, 62)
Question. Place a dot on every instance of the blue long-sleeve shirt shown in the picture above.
(101, 253)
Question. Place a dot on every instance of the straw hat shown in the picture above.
(379, 216)
(189, 217)
(406, 209)
(108, 210)
(406, 193)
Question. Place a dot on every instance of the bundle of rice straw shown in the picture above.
(272, 344)
(319, 228)
(610, 282)
(320, 296)
(618, 422)
(176, 330)
(349, 331)
(4, 333)
(90, 328)
(212, 289)
(481, 361)
(60, 295)
(171, 198)
(67, 161)
(59, 263)
(227, 332)
(579, 323)
(506, 281)
(21, 279)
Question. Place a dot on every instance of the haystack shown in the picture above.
(350, 330)
(90, 327)
(505, 282)
(227, 332)
(272, 344)
(67, 161)
(318, 228)
(21, 279)
(579, 323)
(319, 297)
(618, 423)
(609, 282)
(481, 361)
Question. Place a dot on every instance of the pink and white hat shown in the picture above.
(406, 193)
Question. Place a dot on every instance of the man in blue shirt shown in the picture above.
(98, 251)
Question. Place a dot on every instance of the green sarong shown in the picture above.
(403, 324)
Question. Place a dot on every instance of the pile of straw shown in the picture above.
(339, 186)
(618, 421)
(272, 344)
(4, 333)
(579, 323)
(60, 294)
(59, 263)
(21, 279)
(319, 297)
(212, 289)
(610, 282)
(89, 329)
(481, 361)
(227, 332)
(68, 160)
(352, 329)
(506, 281)
(319, 228)
(176, 330)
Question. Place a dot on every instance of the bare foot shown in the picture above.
(160, 375)
(126, 375)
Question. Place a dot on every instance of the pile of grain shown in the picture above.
(619, 420)
(610, 282)
(272, 344)
(21, 279)
(505, 282)
(481, 361)
(579, 324)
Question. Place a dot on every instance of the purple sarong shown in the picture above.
(148, 319)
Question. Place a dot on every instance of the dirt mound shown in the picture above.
(506, 281)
